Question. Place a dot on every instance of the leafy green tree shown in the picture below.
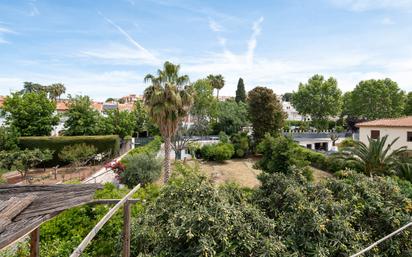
(240, 91)
(217, 82)
(143, 122)
(319, 98)
(141, 169)
(265, 112)
(31, 114)
(117, 122)
(231, 117)
(205, 106)
(408, 104)
(376, 99)
(82, 119)
(8, 138)
(287, 97)
(168, 100)
(77, 154)
(377, 157)
(24, 160)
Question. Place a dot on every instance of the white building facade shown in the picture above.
(400, 128)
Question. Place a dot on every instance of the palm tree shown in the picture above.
(217, 82)
(168, 100)
(377, 157)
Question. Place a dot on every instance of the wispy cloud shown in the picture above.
(3, 31)
(214, 26)
(256, 28)
(365, 5)
(143, 53)
(34, 11)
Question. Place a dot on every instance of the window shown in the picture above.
(409, 136)
(375, 134)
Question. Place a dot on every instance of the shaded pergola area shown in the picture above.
(24, 208)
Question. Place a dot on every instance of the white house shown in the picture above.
(395, 128)
(292, 113)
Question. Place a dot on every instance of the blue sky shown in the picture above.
(104, 48)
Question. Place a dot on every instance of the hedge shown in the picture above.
(150, 148)
(103, 144)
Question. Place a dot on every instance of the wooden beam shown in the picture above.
(113, 201)
(79, 250)
(35, 242)
(126, 229)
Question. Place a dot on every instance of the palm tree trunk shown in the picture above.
(217, 94)
(167, 160)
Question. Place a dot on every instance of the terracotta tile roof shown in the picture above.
(2, 98)
(62, 106)
(98, 106)
(126, 107)
(398, 122)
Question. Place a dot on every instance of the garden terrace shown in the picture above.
(24, 208)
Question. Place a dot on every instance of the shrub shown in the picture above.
(347, 142)
(141, 169)
(8, 138)
(103, 144)
(78, 154)
(217, 152)
(241, 143)
(152, 147)
(337, 217)
(278, 154)
(192, 217)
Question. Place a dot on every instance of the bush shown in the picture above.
(141, 169)
(78, 154)
(337, 217)
(278, 154)
(192, 217)
(152, 147)
(103, 144)
(241, 143)
(217, 152)
(347, 142)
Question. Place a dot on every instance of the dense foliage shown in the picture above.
(152, 147)
(104, 144)
(205, 106)
(31, 114)
(115, 122)
(338, 216)
(194, 218)
(82, 118)
(231, 117)
(265, 112)
(319, 98)
(375, 99)
(241, 143)
(140, 169)
(8, 138)
(217, 152)
(77, 154)
(24, 160)
(278, 154)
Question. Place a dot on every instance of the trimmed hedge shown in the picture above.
(103, 144)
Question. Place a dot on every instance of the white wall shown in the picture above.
(365, 132)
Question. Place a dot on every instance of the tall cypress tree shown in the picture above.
(240, 91)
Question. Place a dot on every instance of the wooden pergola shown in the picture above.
(24, 208)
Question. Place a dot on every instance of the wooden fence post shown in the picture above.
(34, 243)
(126, 229)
